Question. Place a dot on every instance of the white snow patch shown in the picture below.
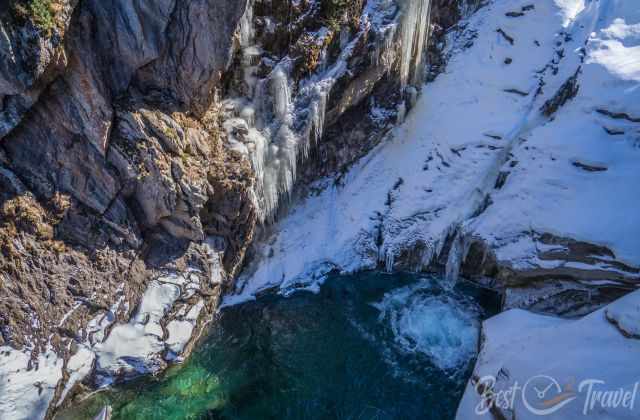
(519, 345)
(625, 313)
(78, 367)
(569, 9)
(181, 330)
(617, 48)
(135, 346)
(27, 388)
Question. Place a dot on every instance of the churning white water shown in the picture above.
(443, 326)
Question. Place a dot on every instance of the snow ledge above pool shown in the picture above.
(520, 347)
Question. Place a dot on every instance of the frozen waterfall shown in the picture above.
(276, 123)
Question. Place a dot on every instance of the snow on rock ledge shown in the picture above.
(163, 327)
(27, 386)
(625, 315)
(138, 347)
(523, 353)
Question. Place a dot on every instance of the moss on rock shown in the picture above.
(42, 13)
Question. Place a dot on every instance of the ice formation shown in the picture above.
(415, 33)
(463, 132)
(276, 127)
(262, 126)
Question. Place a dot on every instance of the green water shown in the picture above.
(368, 346)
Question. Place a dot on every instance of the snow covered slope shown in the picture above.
(500, 147)
(555, 368)
(577, 173)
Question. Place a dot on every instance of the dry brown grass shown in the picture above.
(26, 214)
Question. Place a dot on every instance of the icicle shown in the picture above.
(414, 33)
(319, 114)
(246, 32)
(260, 102)
(426, 257)
(457, 255)
(389, 53)
(452, 269)
(248, 114)
(389, 260)
(402, 112)
(250, 61)
(279, 83)
(412, 93)
(384, 52)
(322, 60)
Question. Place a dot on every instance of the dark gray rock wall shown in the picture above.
(105, 149)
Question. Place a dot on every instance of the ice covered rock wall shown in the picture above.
(517, 167)
(278, 115)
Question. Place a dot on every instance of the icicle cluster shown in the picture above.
(261, 124)
(384, 53)
(276, 134)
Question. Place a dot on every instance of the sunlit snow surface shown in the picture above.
(469, 125)
(27, 392)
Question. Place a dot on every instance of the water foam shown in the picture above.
(443, 326)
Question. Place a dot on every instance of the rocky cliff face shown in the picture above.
(143, 142)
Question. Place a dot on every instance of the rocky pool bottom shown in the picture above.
(370, 345)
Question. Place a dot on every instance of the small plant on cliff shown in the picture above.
(26, 214)
(334, 12)
(41, 12)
